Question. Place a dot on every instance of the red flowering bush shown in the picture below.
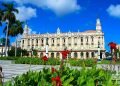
(65, 53)
(112, 46)
(56, 81)
(53, 70)
(44, 58)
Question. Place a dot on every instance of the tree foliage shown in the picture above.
(19, 51)
(8, 13)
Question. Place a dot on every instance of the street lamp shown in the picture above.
(99, 50)
(46, 47)
(31, 51)
(16, 47)
(6, 44)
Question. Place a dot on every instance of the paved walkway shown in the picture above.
(12, 70)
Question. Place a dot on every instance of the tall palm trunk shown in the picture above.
(6, 41)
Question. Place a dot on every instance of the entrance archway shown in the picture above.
(41, 55)
(75, 55)
(52, 55)
(58, 54)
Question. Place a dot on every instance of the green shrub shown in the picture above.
(9, 58)
(69, 77)
(37, 61)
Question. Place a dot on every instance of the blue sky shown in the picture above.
(47, 15)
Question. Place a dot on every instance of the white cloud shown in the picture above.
(114, 10)
(59, 7)
(25, 13)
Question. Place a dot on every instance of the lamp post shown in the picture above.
(32, 51)
(6, 44)
(16, 47)
(46, 48)
(99, 50)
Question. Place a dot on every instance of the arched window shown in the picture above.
(75, 55)
(41, 55)
(52, 55)
(92, 54)
(58, 54)
(69, 41)
(81, 40)
(69, 55)
(81, 54)
(87, 39)
(53, 40)
(92, 38)
(42, 40)
(87, 55)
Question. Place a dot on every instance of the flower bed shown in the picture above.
(68, 77)
(64, 76)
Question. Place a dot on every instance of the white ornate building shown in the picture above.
(81, 44)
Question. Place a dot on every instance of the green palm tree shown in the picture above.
(1, 15)
(9, 12)
(14, 27)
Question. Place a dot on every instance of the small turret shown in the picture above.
(26, 30)
(58, 30)
(98, 25)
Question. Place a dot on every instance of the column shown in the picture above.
(96, 42)
(49, 54)
(72, 44)
(39, 45)
(49, 43)
(66, 42)
(34, 43)
(60, 42)
(103, 41)
(84, 42)
(55, 53)
(31, 43)
(90, 55)
(60, 56)
(84, 55)
(55, 44)
(89, 41)
(78, 54)
(21, 43)
(78, 42)
(44, 41)
(72, 54)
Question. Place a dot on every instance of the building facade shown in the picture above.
(81, 44)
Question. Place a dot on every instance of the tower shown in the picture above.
(26, 29)
(58, 30)
(98, 25)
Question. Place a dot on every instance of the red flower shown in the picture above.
(53, 70)
(112, 46)
(44, 58)
(64, 53)
(57, 81)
